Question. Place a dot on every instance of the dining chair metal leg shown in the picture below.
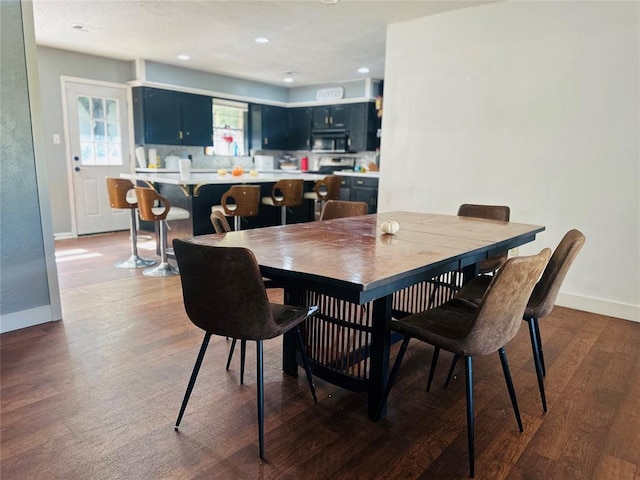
(468, 375)
(432, 370)
(540, 351)
(538, 364)
(305, 363)
(233, 346)
(260, 395)
(451, 370)
(392, 375)
(512, 392)
(243, 355)
(192, 380)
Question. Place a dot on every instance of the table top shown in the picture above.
(353, 257)
(212, 178)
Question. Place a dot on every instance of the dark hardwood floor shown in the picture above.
(95, 396)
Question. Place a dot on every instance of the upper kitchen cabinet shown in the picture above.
(269, 127)
(165, 117)
(362, 125)
(300, 128)
(330, 116)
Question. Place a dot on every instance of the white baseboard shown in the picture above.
(601, 307)
(26, 318)
(63, 236)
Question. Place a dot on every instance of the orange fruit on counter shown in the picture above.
(237, 171)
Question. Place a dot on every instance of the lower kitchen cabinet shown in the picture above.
(360, 189)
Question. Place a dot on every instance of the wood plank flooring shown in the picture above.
(96, 395)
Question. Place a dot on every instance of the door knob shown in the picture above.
(76, 158)
(77, 169)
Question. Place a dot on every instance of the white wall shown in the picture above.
(530, 104)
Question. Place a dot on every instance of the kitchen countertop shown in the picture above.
(349, 173)
(210, 177)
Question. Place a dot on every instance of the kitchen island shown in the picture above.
(203, 189)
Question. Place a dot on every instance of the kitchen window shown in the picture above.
(229, 127)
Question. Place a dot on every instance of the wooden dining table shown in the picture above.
(355, 273)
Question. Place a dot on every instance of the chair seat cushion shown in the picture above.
(286, 317)
(175, 213)
(474, 290)
(310, 196)
(445, 326)
(268, 201)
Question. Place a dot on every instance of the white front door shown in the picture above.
(99, 147)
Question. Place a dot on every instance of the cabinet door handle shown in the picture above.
(266, 141)
(330, 120)
(180, 134)
(327, 120)
(359, 182)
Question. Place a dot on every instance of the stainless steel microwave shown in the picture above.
(329, 141)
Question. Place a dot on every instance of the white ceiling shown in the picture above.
(319, 43)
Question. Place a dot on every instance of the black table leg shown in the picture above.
(380, 344)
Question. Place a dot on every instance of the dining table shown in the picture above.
(359, 277)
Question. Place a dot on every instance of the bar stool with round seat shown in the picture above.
(147, 198)
(323, 190)
(285, 193)
(238, 202)
(122, 196)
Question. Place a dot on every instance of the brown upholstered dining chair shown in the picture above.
(239, 201)
(341, 209)
(220, 225)
(540, 303)
(468, 330)
(489, 212)
(487, 266)
(122, 196)
(285, 193)
(224, 295)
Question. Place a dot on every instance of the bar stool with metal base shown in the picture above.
(119, 189)
(285, 193)
(326, 189)
(164, 213)
(238, 202)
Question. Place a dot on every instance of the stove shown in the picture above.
(327, 166)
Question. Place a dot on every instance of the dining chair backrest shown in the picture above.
(546, 290)
(499, 315)
(147, 197)
(241, 200)
(490, 212)
(219, 222)
(223, 291)
(119, 190)
(342, 208)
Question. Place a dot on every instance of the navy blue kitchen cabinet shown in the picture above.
(300, 128)
(268, 127)
(165, 117)
(329, 116)
(362, 126)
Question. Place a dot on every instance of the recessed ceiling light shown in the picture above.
(261, 40)
(363, 70)
(184, 57)
(288, 79)
(329, 2)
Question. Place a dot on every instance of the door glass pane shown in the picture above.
(98, 131)
(83, 107)
(115, 154)
(98, 107)
(101, 154)
(112, 110)
(84, 128)
(113, 132)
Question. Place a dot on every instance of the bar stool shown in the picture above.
(119, 189)
(285, 193)
(326, 189)
(238, 202)
(163, 213)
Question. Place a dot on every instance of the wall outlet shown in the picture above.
(56, 138)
